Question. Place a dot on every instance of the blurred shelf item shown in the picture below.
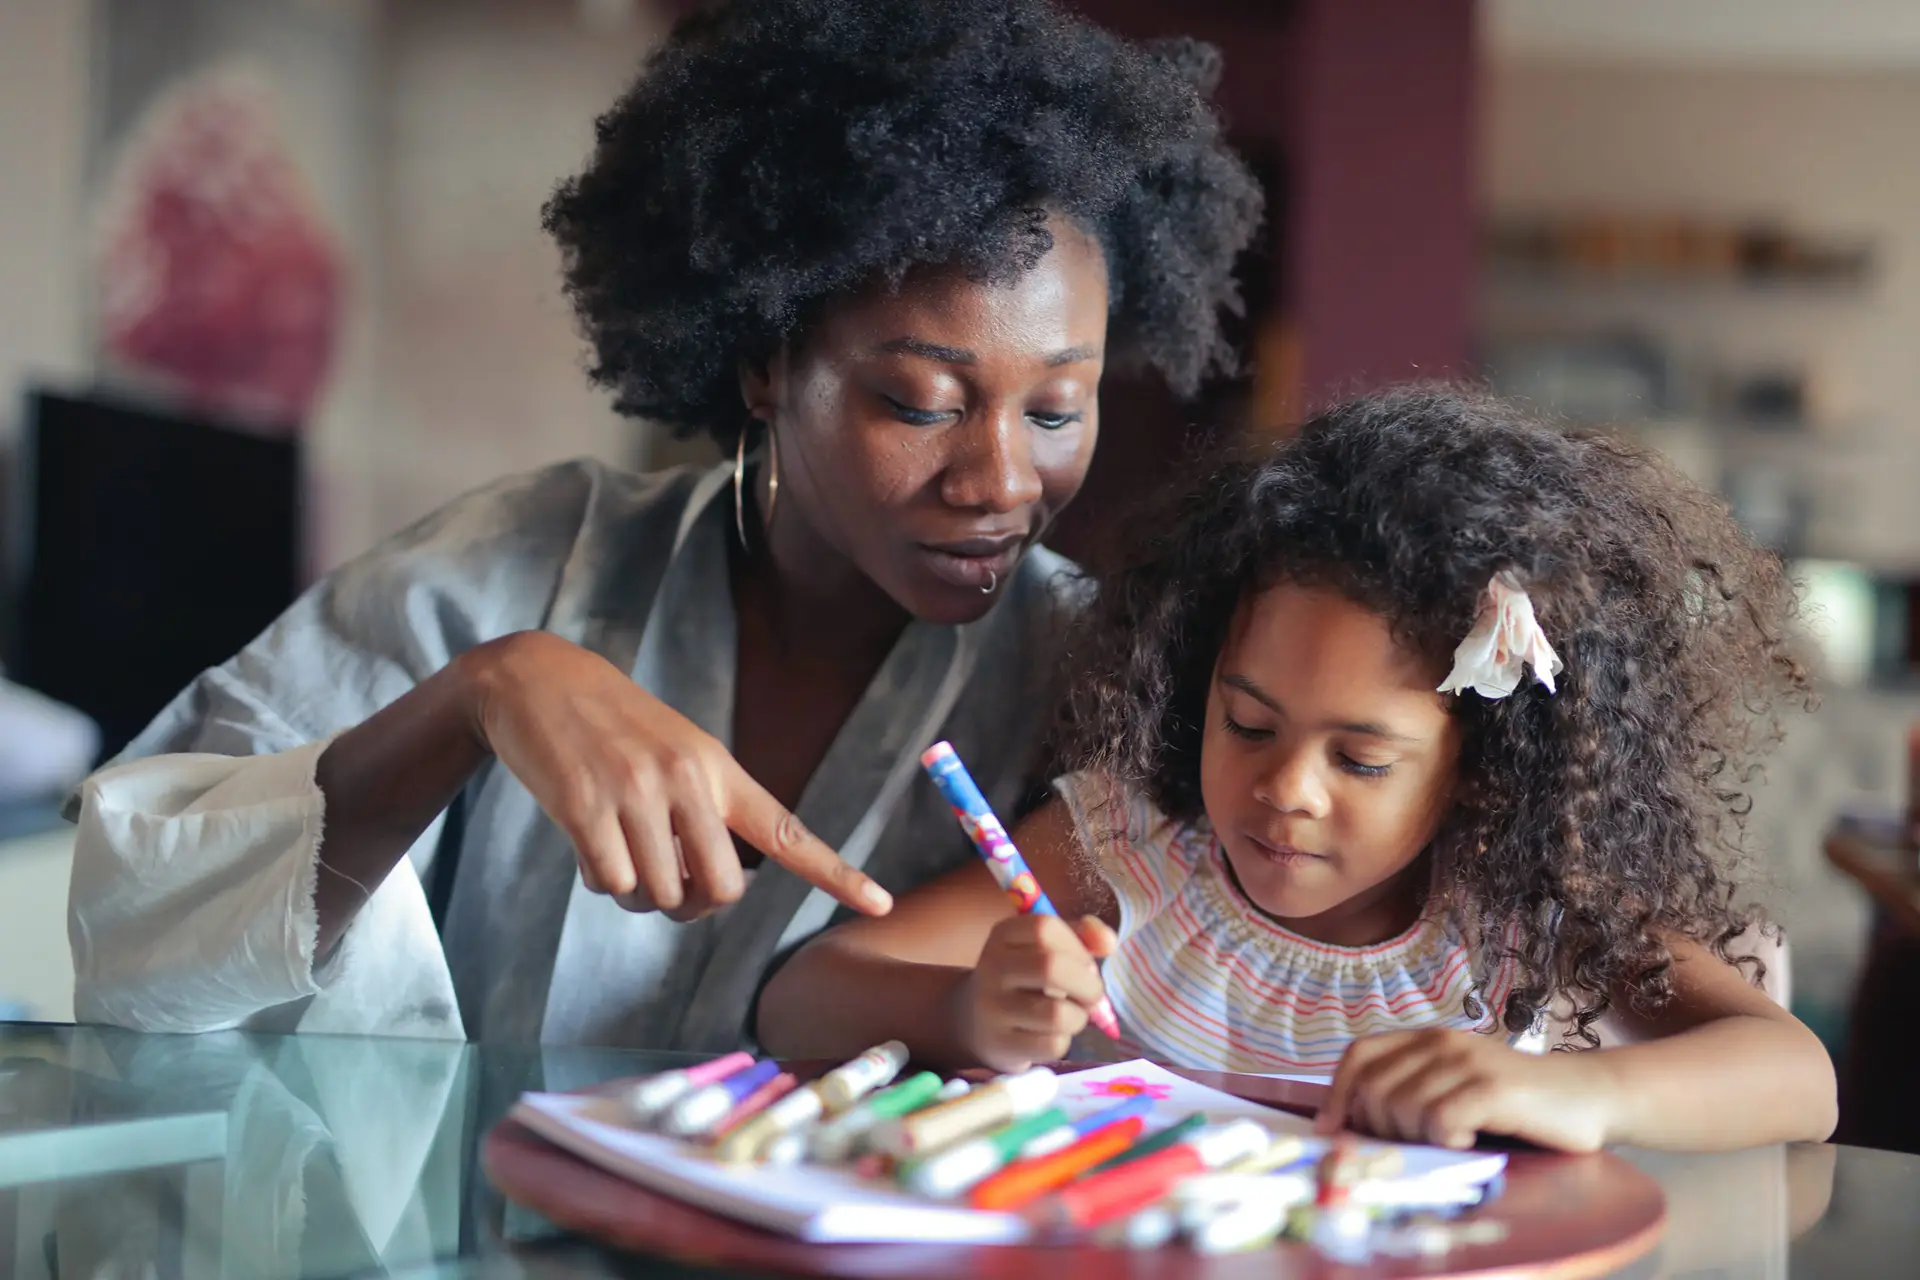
(1612, 248)
(1587, 378)
(1864, 621)
(1883, 869)
(1277, 376)
(1802, 440)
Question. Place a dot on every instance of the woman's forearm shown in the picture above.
(384, 782)
(833, 1000)
(1734, 1082)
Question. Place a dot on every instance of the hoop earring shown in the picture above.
(740, 482)
(773, 477)
(740, 487)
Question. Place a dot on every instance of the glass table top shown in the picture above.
(319, 1157)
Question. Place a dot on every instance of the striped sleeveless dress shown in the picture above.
(1202, 979)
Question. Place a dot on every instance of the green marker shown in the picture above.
(910, 1094)
(841, 1137)
(948, 1173)
(1170, 1136)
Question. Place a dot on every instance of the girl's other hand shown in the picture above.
(1029, 995)
(1447, 1087)
(650, 801)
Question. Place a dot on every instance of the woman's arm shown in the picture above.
(207, 887)
(636, 786)
(383, 783)
(904, 976)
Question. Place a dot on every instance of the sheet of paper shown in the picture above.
(824, 1204)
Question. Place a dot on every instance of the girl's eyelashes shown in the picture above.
(1245, 732)
(1361, 770)
(1358, 768)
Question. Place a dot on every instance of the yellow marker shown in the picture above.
(988, 1107)
(1284, 1150)
(801, 1107)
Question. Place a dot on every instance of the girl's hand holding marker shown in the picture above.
(1038, 981)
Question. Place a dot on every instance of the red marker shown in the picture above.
(1025, 1181)
(1130, 1187)
(754, 1103)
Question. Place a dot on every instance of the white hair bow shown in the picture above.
(1506, 638)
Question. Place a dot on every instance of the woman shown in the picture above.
(881, 253)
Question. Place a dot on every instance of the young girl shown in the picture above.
(1403, 748)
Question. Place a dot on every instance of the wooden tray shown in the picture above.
(1566, 1216)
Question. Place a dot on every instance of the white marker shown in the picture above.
(708, 1105)
(846, 1085)
(1247, 1225)
(787, 1149)
(1213, 1190)
(1149, 1228)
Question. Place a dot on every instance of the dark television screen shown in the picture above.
(158, 545)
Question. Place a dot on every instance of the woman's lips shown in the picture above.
(976, 563)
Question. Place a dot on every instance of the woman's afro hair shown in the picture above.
(777, 153)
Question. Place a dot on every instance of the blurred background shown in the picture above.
(272, 286)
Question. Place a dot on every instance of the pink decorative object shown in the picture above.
(217, 274)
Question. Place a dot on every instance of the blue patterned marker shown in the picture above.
(1009, 869)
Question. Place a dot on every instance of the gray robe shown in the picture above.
(485, 929)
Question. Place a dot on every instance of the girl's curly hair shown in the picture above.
(1614, 805)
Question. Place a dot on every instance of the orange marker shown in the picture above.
(1128, 1187)
(1025, 1181)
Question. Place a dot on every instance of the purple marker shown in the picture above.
(707, 1106)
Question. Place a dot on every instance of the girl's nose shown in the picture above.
(1295, 785)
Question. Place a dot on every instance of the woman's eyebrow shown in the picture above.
(910, 346)
(927, 351)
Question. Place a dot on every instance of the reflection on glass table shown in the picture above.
(265, 1157)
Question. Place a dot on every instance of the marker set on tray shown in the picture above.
(1005, 1146)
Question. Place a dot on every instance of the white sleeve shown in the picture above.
(192, 905)
(193, 878)
(192, 908)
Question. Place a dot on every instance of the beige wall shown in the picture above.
(485, 104)
(43, 101)
(1825, 151)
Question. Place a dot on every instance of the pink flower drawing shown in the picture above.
(1125, 1087)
